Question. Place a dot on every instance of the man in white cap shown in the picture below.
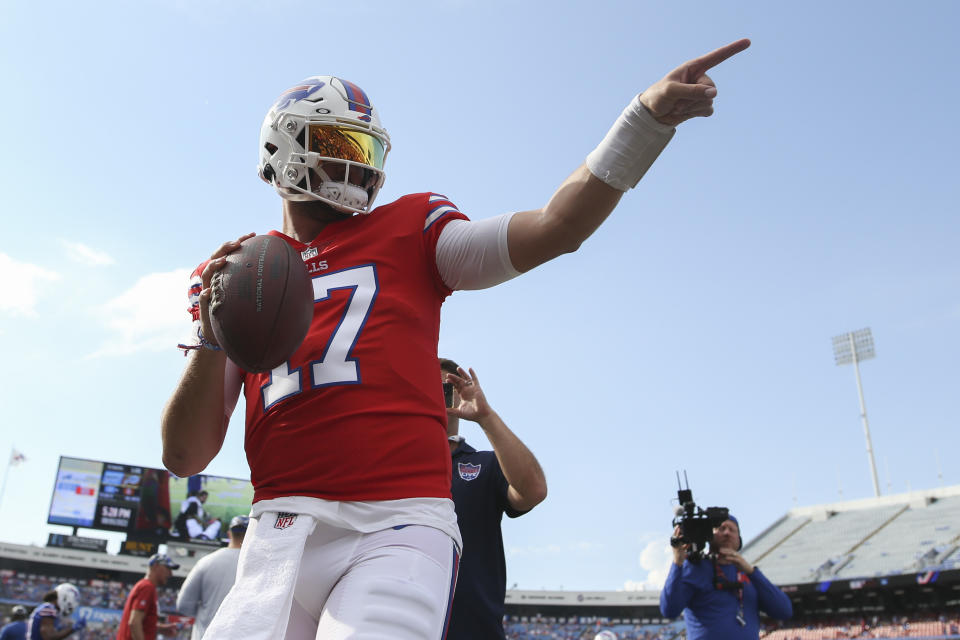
(211, 579)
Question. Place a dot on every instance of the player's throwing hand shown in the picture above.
(217, 261)
(687, 91)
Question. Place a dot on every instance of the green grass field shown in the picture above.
(228, 497)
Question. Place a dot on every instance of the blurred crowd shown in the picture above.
(586, 629)
(28, 589)
(105, 594)
(928, 626)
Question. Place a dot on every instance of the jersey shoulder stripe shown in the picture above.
(438, 207)
(46, 610)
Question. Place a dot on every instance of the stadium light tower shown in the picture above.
(852, 348)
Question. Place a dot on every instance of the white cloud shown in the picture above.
(24, 284)
(632, 585)
(85, 255)
(655, 559)
(149, 316)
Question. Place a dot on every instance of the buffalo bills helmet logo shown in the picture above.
(299, 92)
(468, 471)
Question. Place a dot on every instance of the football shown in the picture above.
(262, 303)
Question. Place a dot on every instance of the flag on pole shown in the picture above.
(16, 457)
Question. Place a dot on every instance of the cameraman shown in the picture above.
(721, 594)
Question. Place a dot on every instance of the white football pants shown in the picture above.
(395, 584)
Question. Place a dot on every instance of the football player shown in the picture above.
(51, 620)
(353, 531)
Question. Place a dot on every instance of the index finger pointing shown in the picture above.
(717, 56)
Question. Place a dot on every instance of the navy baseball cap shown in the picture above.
(163, 560)
(239, 523)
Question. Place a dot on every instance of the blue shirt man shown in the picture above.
(17, 627)
(485, 485)
(722, 594)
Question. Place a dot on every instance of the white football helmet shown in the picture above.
(322, 140)
(68, 597)
(606, 634)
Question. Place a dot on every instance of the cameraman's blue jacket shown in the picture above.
(711, 613)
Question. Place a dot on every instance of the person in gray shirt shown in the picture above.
(210, 580)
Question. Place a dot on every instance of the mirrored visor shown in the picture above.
(332, 141)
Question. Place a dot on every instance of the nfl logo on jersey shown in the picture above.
(468, 471)
(284, 520)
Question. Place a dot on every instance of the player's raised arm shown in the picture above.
(585, 199)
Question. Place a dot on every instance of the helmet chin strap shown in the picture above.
(349, 195)
(346, 194)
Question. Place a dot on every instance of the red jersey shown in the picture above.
(357, 413)
(143, 597)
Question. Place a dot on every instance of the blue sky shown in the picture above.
(692, 331)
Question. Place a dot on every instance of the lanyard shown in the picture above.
(723, 584)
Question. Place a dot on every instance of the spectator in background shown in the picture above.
(49, 621)
(486, 484)
(16, 629)
(140, 620)
(721, 595)
(211, 579)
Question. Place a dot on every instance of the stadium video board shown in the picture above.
(142, 501)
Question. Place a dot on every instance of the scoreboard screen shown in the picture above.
(137, 500)
(118, 504)
(75, 492)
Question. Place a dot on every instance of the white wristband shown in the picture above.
(629, 148)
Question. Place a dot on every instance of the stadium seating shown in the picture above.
(587, 629)
(895, 627)
(890, 535)
(907, 542)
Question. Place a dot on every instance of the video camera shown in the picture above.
(696, 524)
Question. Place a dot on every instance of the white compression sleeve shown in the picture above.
(473, 254)
(629, 148)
